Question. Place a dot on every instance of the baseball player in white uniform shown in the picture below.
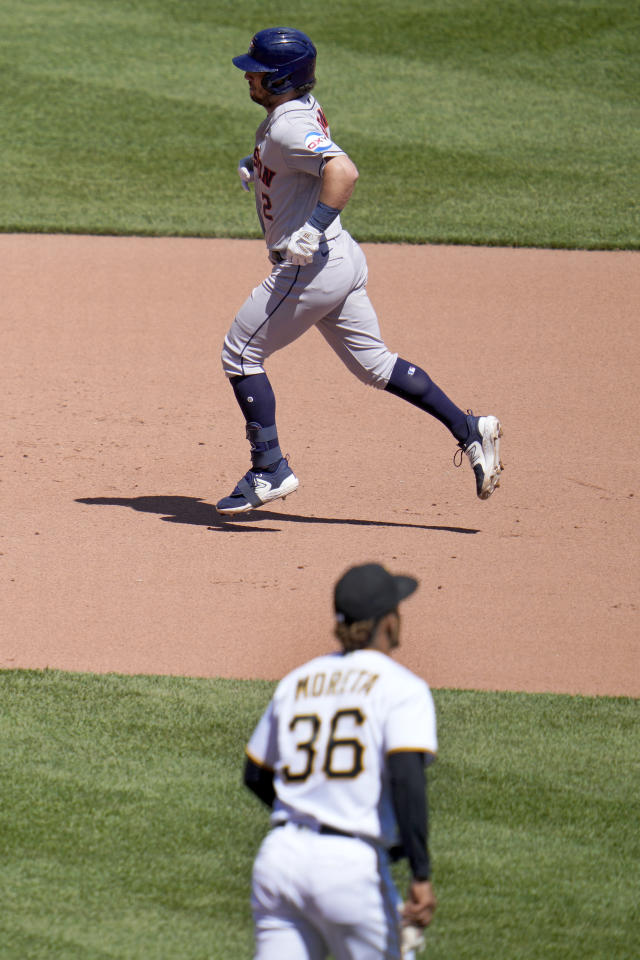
(340, 756)
(302, 180)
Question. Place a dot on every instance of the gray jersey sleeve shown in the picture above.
(292, 147)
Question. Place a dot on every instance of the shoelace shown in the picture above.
(461, 446)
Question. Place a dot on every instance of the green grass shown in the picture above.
(471, 121)
(126, 833)
(124, 828)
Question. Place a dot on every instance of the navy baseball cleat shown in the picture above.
(482, 446)
(258, 487)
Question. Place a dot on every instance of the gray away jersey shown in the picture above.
(292, 146)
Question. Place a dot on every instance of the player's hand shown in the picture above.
(245, 172)
(302, 245)
(420, 904)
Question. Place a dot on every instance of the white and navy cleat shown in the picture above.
(258, 487)
(482, 446)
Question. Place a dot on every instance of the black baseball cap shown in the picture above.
(369, 591)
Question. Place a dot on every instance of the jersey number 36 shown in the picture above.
(342, 756)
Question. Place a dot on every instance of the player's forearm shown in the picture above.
(339, 179)
(260, 781)
(409, 797)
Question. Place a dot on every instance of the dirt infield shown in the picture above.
(120, 432)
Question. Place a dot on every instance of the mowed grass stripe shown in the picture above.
(494, 123)
(126, 831)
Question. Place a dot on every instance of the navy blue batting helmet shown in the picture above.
(286, 57)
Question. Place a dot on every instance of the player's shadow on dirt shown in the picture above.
(195, 511)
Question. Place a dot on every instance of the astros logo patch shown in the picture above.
(317, 142)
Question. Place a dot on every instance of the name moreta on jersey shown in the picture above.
(336, 683)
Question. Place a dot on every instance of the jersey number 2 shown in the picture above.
(334, 770)
(266, 206)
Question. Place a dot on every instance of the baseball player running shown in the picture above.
(302, 181)
(340, 756)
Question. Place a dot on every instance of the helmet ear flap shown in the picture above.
(274, 84)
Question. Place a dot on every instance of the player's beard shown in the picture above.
(265, 97)
(259, 95)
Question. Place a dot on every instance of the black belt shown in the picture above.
(323, 828)
(334, 831)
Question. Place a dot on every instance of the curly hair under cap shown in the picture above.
(356, 636)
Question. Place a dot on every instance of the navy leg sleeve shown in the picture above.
(412, 384)
(257, 401)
